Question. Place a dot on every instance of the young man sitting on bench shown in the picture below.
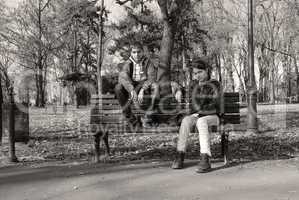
(137, 79)
(203, 113)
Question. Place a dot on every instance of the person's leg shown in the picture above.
(202, 126)
(187, 126)
(147, 104)
(137, 87)
(152, 95)
(123, 98)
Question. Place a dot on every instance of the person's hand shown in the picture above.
(178, 96)
(140, 96)
(133, 96)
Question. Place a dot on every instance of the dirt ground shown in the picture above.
(59, 137)
(260, 180)
(56, 163)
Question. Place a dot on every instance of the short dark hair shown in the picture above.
(137, 45)
(202, 63)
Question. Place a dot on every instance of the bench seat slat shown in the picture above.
(111, 107)
(232, 119)
(231, 100)
(231, 94)
(106, 120)
(107, 112)
(106, 101)
(232, 108)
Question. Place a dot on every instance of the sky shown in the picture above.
(117, 11)
(12, 3)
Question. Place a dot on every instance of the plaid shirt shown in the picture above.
(148, 74)
(138, 70)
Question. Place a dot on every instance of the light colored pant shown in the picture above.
(202, 124)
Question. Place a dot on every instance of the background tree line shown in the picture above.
(60, 37)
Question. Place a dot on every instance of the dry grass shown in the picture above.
(57, 137)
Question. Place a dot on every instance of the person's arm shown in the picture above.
(151, 75)
(213, 102)
(125, 79)
(176, 90)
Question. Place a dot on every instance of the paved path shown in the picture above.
(264, 180)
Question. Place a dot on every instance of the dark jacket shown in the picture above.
(126, 73)
(205, 98)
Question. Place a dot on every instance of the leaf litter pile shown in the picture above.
(65, 137)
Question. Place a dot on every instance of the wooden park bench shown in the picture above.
(109, 120)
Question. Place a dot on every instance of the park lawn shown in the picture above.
(63, 137)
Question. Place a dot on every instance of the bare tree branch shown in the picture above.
(122, 2)
(46, 5)
(163, 7)
(277, 51)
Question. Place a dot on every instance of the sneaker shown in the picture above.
(178, 163)
(204, 165)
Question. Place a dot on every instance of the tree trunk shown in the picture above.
(40, 96)
(272, 80)
(185, 68)
(242, 92)
(171, 12)
(187, 71)
(286, 63)
(74, 67)
(12, 150)
(1, 111)
(164, 69)
(266, 87)
(44, 85)
(40, 89)
(230, 85)
(261, 87)
(297, 77)
(241, 83)
(288, 81)
(218, 66)
(246, 76)
(37, 90)
(187, 74)
(272, 87)
(100, 55)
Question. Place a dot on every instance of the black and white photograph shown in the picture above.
(149, 99)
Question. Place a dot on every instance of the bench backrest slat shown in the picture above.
(231, 108)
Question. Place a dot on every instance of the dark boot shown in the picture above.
(178, 163)
(204, 165)
(147, 122)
